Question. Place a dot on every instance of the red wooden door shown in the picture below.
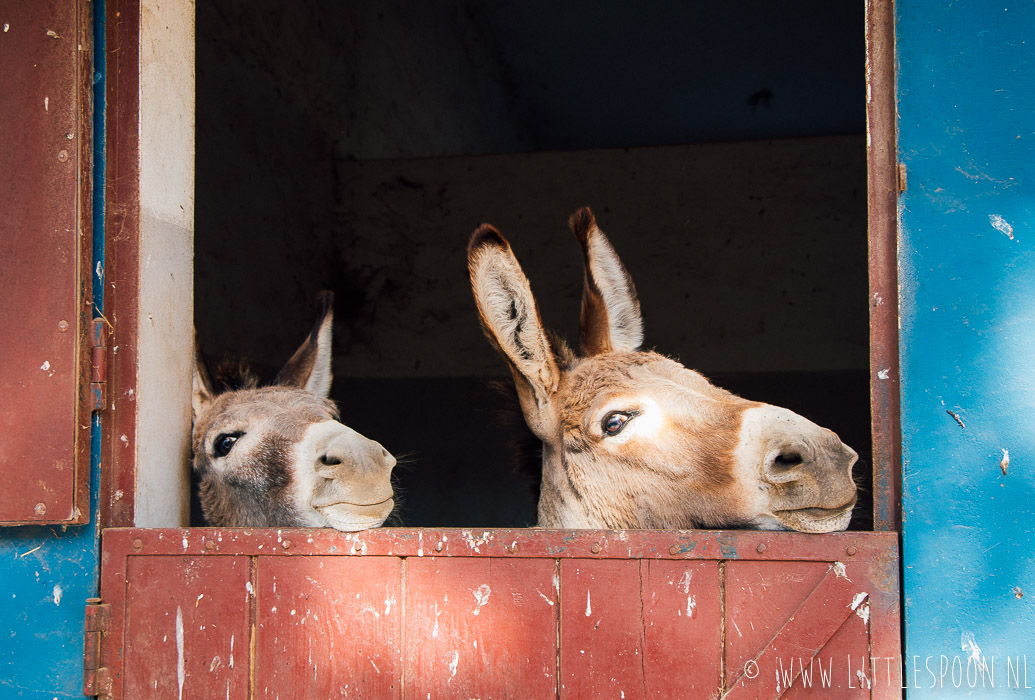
(44, 273)
(522, 613)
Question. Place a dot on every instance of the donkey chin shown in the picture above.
(814, 520)
(350, 517)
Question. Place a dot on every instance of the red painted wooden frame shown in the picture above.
(122, 264)
(528, 613)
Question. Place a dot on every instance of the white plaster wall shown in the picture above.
(165, 333)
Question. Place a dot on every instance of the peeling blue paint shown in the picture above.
(728, 546)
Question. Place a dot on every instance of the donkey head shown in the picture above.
(632, 439)
(277, 455)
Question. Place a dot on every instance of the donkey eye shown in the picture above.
(224, 443)
(614, 422)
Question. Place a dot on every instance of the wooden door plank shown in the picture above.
(760, 596)
(682, 629)
(328, 627)
(842, 666)
(602, 629)
(803, 635)
(187, 632)
(482, 627)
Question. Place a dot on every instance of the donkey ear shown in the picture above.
(611, 320)
(512, 323)
(202, 392)
(310, 367)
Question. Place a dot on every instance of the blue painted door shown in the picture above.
(966, 90)
(49, 542)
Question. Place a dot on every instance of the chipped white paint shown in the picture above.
(200, 596)
(589, 608)
(124, 440)
(185, 543)
(389, 602)
(684, 581)
(118, 495)
(45, 366)
(857, 600)
(452, 666)
(249, 588)
(1001, 225)
(1004, 463)
(877, 299)
(434, 629)
(46, 104)
(543, 596)
(840, 571)
(691, 605)
(969, 645)
(863, 613)
(376, 669)
(739, 634)
(58, 592)
(180, 669)
(481, 597)
(7, 27)
(99, 271)
(883, 374)
(476, 542)
(231, 662)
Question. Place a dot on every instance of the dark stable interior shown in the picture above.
(356, 146)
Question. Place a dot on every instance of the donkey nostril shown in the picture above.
(787, 460)
(329, 461)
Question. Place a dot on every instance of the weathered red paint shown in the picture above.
(529, 613)
(327, 623)
(882, 206)
(45, 275)
(189, 626)
(122, 264)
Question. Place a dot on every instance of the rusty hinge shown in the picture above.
(98, 364)
(96, 676)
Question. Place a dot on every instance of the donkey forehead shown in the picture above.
(596, 380)
(283, 407)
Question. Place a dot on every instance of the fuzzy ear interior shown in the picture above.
(310, 367)
(202, 391)
(511, 321)
(611, 319)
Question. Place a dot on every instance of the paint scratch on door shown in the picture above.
(180, 671)
(1001, 225)
(481, 597)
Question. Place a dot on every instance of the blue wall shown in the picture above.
(966, 89)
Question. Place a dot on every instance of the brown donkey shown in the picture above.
(278, 457)
(633, 439)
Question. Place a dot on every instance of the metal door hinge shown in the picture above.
(98, 364)
(96, 676)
